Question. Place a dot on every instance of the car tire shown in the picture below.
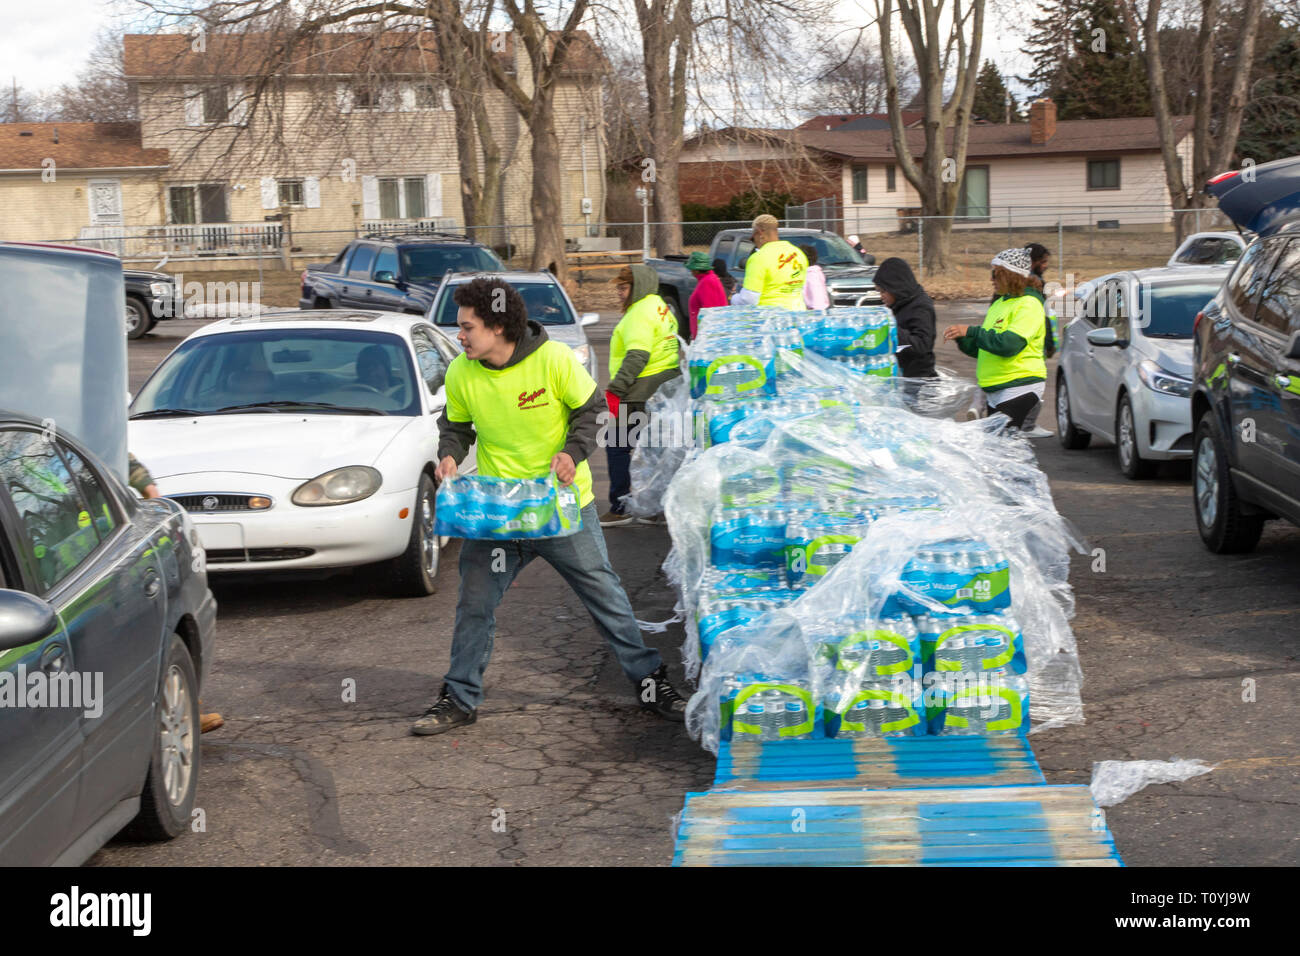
(137, 318)
(1131, 462)
(1224, 528)
(1070, 437)
(415, 570)
(173, 779)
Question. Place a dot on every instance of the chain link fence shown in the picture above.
(1085, 241)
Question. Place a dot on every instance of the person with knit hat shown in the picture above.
(774, 271)
(642, 356)
(708, 292)
(1008, 346)
(913, 314)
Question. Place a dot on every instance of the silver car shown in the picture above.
(1125, 370)
(545, 299)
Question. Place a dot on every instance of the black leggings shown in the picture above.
(1017, 409)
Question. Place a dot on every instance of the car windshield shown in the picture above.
(1174, 308)
(431, 263)
(1210, 251)
(544, 301)
(335, 371)
(831, 250)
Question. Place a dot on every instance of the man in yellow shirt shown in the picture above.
(532, 408)
(775, 270)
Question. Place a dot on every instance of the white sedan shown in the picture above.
(303, 440)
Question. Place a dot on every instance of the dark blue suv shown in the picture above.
(1246, 396)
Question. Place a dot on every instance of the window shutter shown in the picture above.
(390, 99)
(370, 197)
(343, 95)
(433, 195)
(237, 105)
(408, 97)
(270, 193)
(193, 106)
(311, 192)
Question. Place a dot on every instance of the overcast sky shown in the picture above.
(46, 42)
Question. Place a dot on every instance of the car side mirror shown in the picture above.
(24, 619)
(386, 276)
(1293, 346)
(1104, 337)
(868, 258)
(589, 318)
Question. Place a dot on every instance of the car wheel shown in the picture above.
(173, 779)
(415, 570)
(1069, 436)
(1131, 463)
(1219, 518)
(137, 319)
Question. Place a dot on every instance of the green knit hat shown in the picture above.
(699, 262)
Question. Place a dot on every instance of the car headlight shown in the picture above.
(161, 289)
(338, 487)
(583, 352)
(1158, 380)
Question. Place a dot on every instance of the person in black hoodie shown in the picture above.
(913, 312)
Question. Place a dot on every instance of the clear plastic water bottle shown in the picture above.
(774, 702)
(796, 714)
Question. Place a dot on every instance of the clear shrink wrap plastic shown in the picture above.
(849, 567)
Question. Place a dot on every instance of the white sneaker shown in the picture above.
(1037, 432)
(972, 414)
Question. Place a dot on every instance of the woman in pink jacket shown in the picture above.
(708, 290)
(815, 295)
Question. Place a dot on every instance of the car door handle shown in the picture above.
(54, 660)
(152, 585)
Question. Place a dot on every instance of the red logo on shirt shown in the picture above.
(786, 259)
(530, 399)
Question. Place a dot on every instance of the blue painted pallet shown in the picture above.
(1035, 825)
(877, 763)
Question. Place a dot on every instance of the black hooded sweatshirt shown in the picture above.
(914, 312)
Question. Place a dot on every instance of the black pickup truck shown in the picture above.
(150, 298)
(848, 273)
(393, 272)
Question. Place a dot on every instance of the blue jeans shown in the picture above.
(582, 561)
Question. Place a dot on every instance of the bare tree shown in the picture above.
(851, 78)
(101, 93)
(18, 105)
(944, 42)
(1215, 127)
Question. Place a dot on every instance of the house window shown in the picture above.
(973, 203)
(216, 108)
(365, 98)
(427, 97)
(859, 183)
(891, 184)
(291, 192)
(401, 198)
(187, 205)
(1103, 174)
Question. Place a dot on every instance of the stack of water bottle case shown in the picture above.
(846, 565)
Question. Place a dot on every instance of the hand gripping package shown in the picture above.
(503, 509)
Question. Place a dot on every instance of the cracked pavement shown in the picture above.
(563, 768)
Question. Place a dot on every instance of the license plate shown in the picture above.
(221, 537)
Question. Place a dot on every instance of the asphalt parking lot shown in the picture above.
(1185, 654)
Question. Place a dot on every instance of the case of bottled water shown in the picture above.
(764, 707)
(976, 704)
(720, 613)
(972, 643)
(960, 573)
(479, 507)
(850, 332)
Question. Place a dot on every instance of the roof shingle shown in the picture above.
(79, 146)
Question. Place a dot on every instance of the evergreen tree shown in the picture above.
(1084, 61)
(1270, 128)
(991, 95)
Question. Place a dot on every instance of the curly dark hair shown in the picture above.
(496, 303)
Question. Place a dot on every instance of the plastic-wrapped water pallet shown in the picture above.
(980, 826)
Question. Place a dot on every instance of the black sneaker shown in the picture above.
(443, 716)
(656, 694)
